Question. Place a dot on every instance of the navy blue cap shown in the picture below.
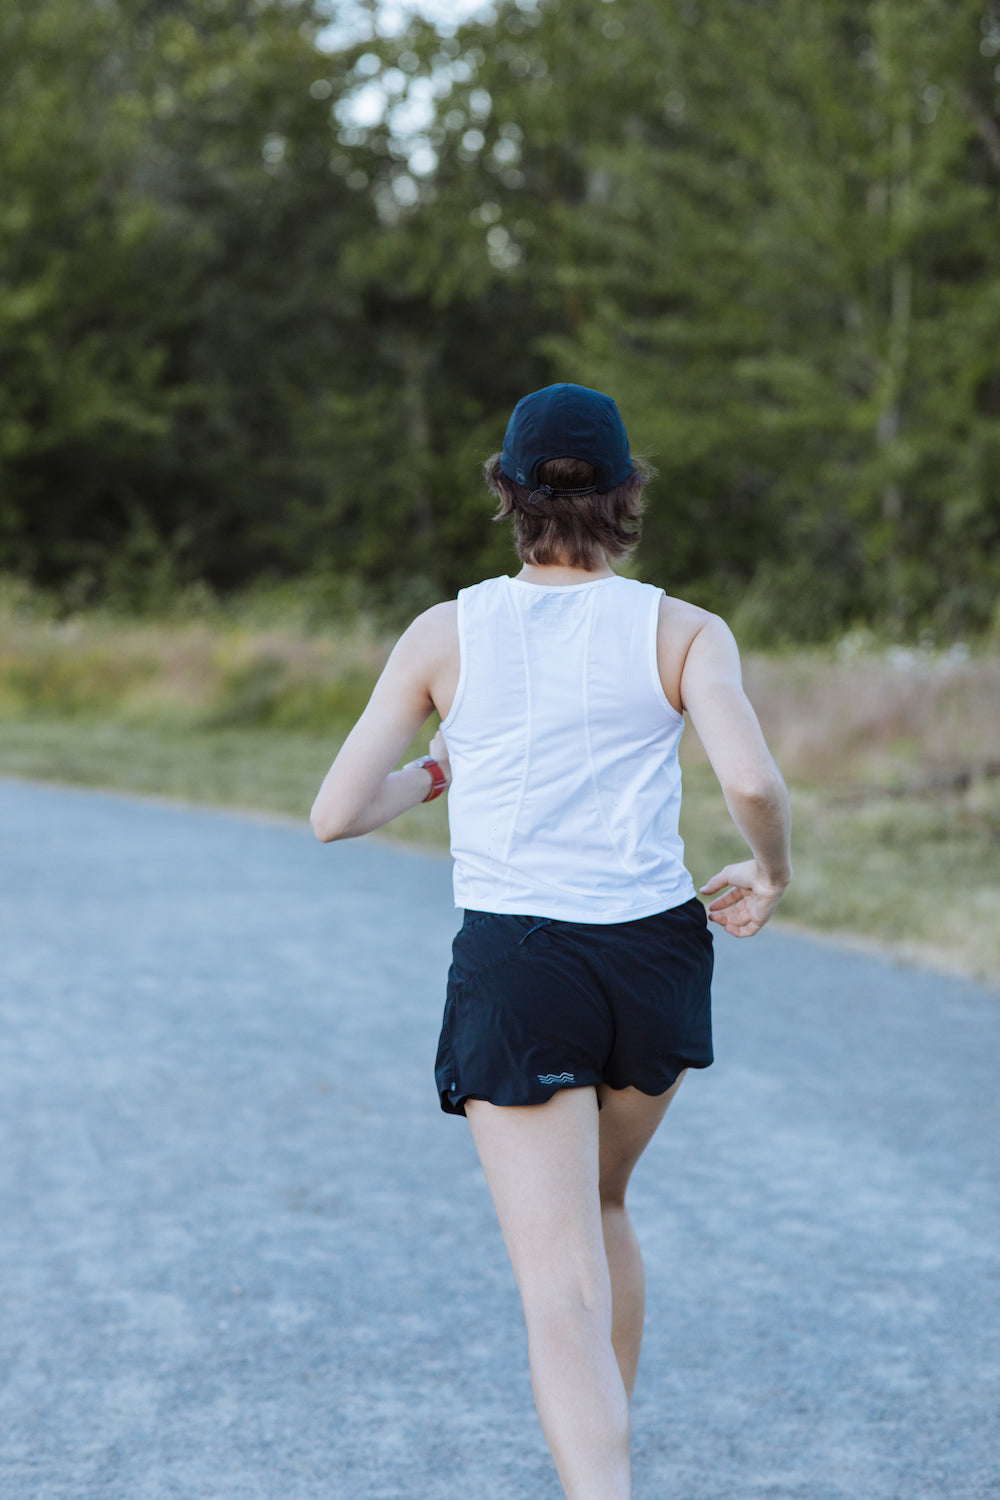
(566, 421)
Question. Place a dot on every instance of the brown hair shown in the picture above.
(575, 530)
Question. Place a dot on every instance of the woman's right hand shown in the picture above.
(439, 751)
(749, 897)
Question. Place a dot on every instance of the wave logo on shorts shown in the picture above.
(556, 1077)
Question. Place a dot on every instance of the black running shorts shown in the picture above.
(535, 1005)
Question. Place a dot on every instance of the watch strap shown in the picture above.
(438, 779)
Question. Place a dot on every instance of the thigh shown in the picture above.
(628, 1122)
(541, 1165)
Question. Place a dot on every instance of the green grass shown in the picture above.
(253, 769)
(890, 757)
(917, 875)
(258, 770)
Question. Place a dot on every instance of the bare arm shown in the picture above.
(712, 693)
(361, 791)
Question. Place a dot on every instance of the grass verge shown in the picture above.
(890, 756)
(255, 769)
(917, 876)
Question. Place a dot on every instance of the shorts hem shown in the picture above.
(453, 1100)
(654, 1087)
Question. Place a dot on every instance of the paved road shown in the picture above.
(243, 1255)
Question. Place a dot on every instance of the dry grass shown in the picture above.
(217, 672)
(891, 755)
(891, 718)
(893, 761)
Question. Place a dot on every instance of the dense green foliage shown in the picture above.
(264, 306)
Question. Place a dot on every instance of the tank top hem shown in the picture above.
(580, 911)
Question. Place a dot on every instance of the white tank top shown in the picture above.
(565, 787)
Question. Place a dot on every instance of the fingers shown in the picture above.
(740, 914)
(735, 913)
(746, 901)
(737, 924)
(730, 898)
(438, 749)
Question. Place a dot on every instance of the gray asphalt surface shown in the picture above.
(242, 1254)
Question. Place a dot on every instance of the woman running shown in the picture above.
(578, 994)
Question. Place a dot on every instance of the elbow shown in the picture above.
(326, 828)
(322, 830)
(761, 793)
(757, 797)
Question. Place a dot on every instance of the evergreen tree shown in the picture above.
(264, 309)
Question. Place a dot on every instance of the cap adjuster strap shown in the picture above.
(546, 492)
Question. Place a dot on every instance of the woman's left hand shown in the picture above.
(439, 751)
(748, 897)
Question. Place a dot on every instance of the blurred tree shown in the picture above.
(773, 228)
(265, 307)
(174, 331)
(79, 363)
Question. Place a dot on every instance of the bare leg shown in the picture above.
(541, 1164)
(627, 1122)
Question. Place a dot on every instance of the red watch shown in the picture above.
(438, 779)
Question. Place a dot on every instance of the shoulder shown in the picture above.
(438, 617)
(680, 624)
(688, 639)
(435, 629)
(680, 615)
(427, 649)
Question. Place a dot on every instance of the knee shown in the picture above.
(612, 1191)
(568, 1290)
